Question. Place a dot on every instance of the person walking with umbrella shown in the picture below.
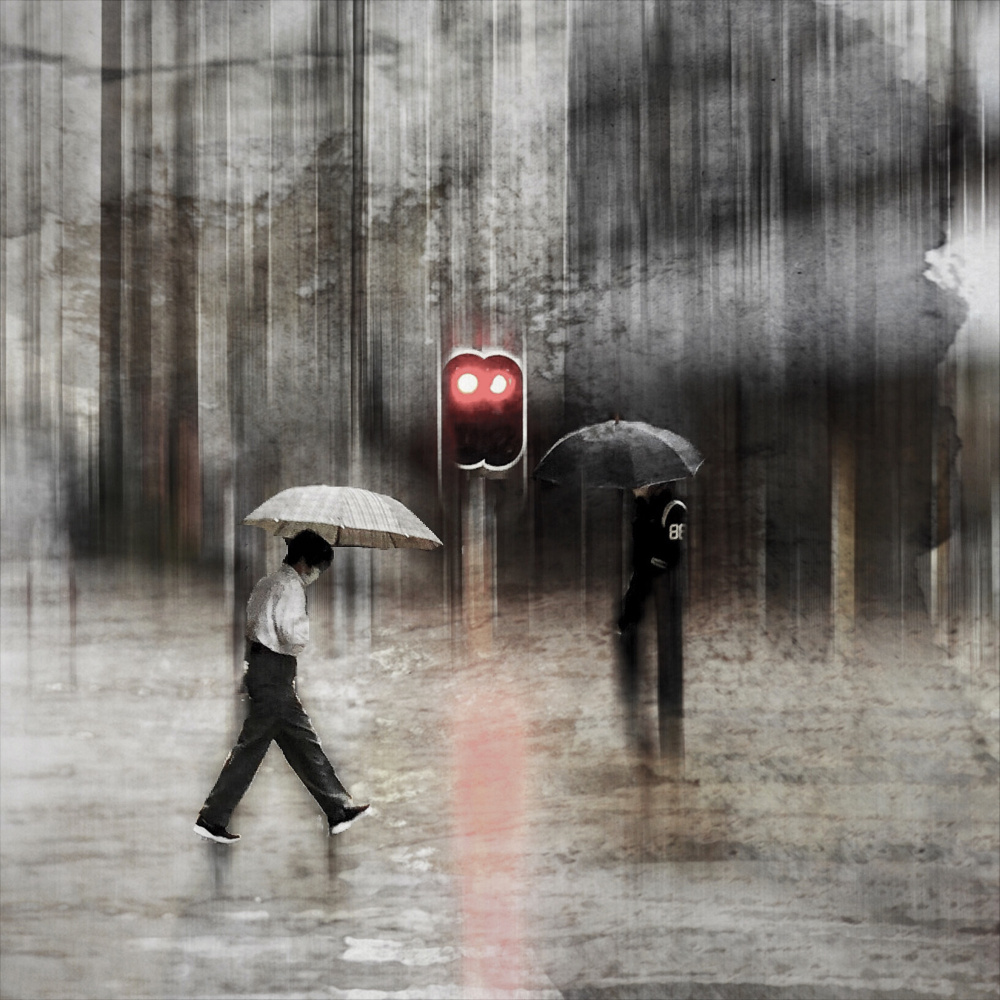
(633, 455)
(658, 530)
(311, 519)
(277, 630)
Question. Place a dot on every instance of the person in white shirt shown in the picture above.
(277, 630)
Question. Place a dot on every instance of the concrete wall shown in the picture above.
(239, 239)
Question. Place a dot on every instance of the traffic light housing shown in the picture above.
(482, 410)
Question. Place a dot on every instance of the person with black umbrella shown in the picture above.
(658, 539)
(633, 455)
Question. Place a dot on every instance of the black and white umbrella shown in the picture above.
(619, 454)
(344, 516)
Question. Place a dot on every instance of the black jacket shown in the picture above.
(659, 532)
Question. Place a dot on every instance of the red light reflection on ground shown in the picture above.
(488, 790)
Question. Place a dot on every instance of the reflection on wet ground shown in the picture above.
(836, 837)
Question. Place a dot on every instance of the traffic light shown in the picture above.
(482, 410)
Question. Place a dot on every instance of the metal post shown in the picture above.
(843, 539)
(477, 601)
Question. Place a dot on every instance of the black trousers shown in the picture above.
(275, 713)
(666, 589)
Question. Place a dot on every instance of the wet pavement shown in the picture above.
(836, 835)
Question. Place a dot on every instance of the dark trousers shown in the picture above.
(666, 588)
(275, 713)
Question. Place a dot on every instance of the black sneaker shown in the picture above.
(349, 815)
(217, 833)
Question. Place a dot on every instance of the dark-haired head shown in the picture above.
(310, 547)
(664, 490)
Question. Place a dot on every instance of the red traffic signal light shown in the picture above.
(482, 410)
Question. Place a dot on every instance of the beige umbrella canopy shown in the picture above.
(344, 516)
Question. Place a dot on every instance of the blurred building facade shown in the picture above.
(240, 239)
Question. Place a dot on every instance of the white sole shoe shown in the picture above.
(224, 838)
(354, 814)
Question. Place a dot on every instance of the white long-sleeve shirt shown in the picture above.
(276, 612)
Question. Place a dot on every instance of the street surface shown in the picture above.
(836, 837)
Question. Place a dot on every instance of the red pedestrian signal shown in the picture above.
(482, 410)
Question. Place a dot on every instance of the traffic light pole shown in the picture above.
(477, 567)
(482, 431)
